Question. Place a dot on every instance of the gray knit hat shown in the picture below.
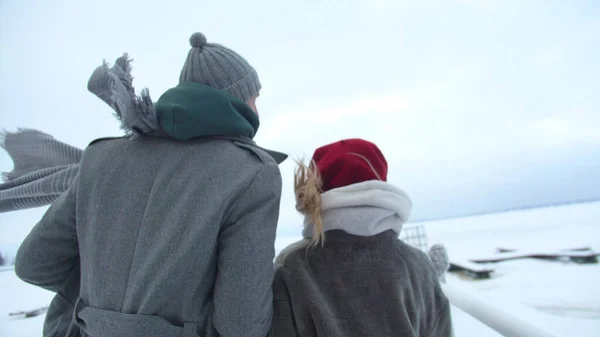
(220, 68)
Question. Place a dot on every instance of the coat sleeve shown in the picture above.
(283, 316)
(50, 252)
(243, 298)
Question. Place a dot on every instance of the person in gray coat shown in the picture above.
(351, 276)
(170, 230)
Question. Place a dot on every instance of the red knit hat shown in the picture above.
(347, 162)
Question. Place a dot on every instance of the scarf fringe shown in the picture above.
(114, 85)
(102, 85)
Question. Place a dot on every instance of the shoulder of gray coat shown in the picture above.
(287, 251)
(104, 139)
(419, 260)
(263, 156)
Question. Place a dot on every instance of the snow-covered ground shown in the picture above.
(563, 298)
(16, 295)
(565, 295)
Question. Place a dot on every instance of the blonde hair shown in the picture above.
(308, 189)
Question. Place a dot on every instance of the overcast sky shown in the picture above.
(477, 105)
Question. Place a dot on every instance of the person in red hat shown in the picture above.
(351, 275)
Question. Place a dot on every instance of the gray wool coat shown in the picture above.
(358, 286)
(363, 281)
(159, 237)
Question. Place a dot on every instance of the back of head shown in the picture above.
(332, 166)
(348, 162)
(221, 68)
(209, 69)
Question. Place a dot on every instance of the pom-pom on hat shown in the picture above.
(219, 67)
